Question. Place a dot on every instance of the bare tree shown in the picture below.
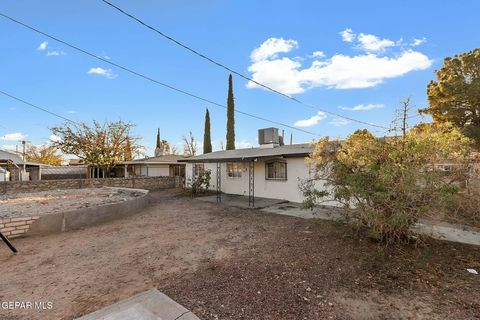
(189, 145)
(400, 123)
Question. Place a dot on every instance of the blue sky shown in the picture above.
(356, 58)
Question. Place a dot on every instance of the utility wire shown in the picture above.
(36, 107)
(151, 79)
(221, 65)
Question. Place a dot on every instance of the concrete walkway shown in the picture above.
(437, 230)
(148, 305)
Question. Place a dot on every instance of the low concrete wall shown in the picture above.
(147, 183)
(71, 220)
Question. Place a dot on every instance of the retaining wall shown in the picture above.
(147, 183)
(71, 220)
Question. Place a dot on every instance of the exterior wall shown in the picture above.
(297, 170)
(148, 183)
(152, 170)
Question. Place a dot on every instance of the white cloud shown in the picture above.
(243, 144)
(271, 47)
(337, 122)
(16, 136)
(417, 42)
(8, 147)
(42, 46)
(339, 71)
(55, 53)
(103, 72)
(363, 107)
(54, 138)
(348, 35)
(372, 43)
(318, 54)
(311, 121)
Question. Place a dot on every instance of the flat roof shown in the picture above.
(243, 155)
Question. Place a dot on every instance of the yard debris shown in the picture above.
(472, 271)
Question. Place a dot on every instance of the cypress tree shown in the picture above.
(158, 138)
(207, 140)
(230, 116)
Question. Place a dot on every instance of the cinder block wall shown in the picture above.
(16, 227)
(148, 183)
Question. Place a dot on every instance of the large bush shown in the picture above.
(389, 182)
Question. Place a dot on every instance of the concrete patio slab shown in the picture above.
(242, 201)
(148, 305)
(294, 209)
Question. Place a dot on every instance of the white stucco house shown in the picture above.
(272, 170)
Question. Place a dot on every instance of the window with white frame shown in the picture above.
(198, 169)
(234, 170)
(276, 170)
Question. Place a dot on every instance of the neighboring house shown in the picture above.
(165, 165)
(272, 170)
(4, 175)
(18, 169)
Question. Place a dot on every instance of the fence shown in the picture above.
(148, 183)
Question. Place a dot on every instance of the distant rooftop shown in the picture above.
(166, 159)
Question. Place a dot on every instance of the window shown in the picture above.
(234, 170)
(276, 170)
(198, 169)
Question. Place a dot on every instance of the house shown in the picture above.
(18, 169)
(272, 170)
(163, 165)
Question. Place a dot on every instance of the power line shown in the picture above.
(221, 65)
(153, 80)
(36, 107)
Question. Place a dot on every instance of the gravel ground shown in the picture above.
(46, 202)
(229, 263)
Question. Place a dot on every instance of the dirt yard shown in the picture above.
(227, 263)
(46, 202)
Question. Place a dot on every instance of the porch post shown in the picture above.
(251, 183)
(219, 182)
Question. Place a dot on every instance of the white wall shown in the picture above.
(4, 176)
(297, 170)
